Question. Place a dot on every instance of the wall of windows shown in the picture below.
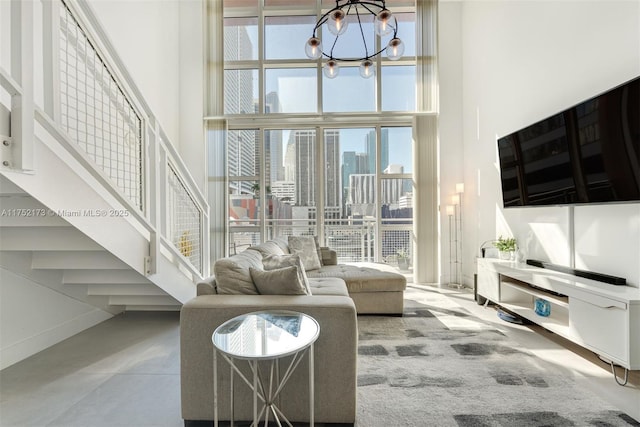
(310, 155)
(352, 187)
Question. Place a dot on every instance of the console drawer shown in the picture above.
(600, 326)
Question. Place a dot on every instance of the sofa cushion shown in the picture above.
(282, 243)
(232, 273)
(281, 281)
(328, 286)
(268, 248)
(272, 262)
(361, 278)
(305, 247)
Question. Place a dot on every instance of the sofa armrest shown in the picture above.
(335, 356)
(329, 256)
(206, 286)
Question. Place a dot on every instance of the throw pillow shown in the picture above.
(233, 276)
(272, 262)
(305, 247)
(281, 281)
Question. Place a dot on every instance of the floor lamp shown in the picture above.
(453, 247)
(459, 193)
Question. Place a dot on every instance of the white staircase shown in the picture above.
(45, 247)
(116, 232)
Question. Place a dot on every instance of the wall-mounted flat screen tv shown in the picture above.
(589, 153)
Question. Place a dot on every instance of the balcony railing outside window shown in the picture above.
(353, 240)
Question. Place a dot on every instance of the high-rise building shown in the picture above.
(370, 146)
(285, 191)
(362, 194)
(238, 90)
(274, 169)
(352, 163)
(332, 189)
(303, 142)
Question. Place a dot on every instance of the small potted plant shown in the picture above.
(507, 247)
(403, 259)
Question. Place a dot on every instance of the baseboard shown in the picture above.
(14, 353)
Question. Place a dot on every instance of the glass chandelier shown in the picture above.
(354, 13)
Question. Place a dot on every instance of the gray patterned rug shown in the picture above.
(440, 366)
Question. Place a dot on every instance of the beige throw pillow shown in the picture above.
(272, 262)
(232, 273)
(305, 247)
(282, 281)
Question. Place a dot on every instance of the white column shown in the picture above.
(426, 218)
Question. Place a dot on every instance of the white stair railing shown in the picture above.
(92, 109)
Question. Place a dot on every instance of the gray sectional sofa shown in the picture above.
(338, 293)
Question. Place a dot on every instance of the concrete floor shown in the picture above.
(126, 372)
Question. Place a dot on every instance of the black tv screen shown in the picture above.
(589, 153)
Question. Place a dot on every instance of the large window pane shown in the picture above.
(240, 39)
(349, 160)
(396, 150)
(242, 156)
(350, 192)
(349, 92)
(290, 176)
(399, 88)
(240, 91)
(291, 90)
(290, 170)
(285, 36)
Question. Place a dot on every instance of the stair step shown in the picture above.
(76, 260)
(153, 308)
(119, 289)
(143, 300)
(8, 188)
(89, 277)
(45, 239)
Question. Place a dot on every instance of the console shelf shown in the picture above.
(600, 317)
(519, 298)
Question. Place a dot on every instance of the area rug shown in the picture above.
(438, 365)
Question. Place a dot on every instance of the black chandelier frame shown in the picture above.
(368, 5)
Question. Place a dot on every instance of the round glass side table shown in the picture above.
(269, 336)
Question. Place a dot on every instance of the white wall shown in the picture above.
(192, 91)
(33, 315)
(146, 36)
(161, 44)
(521, 62)
(449, 124)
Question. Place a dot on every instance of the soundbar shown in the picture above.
(600, 277)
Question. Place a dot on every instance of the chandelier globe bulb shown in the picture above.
(382, 24)
(337, 22)
(395, 49)
(367, 68)
(313, 48)
(331, 69)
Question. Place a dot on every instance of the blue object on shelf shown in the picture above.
(542, 307)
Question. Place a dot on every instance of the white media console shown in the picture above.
(601, 317)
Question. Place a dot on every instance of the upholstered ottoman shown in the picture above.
(373, 288)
